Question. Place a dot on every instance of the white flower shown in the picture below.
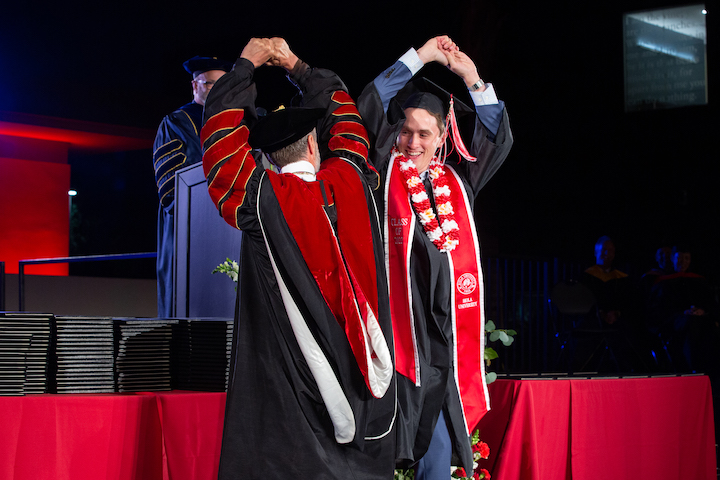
(229, 268)
(413, 182)
(406, 165)
(435, 234)
(426, 216)
(449, 226)
(445, 208)
(435, 172)
(449, 245)
(419, 197)
(444, 190)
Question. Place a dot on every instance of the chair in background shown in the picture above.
(573, 302)
(592, 344)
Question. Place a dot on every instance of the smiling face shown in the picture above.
(681, 261)
(420, 137)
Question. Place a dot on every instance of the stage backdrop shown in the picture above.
(34, 214)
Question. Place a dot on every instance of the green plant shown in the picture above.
(493, 334)
(229, 268)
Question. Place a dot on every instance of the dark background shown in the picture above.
(580, 168)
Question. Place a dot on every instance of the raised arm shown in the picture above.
(377, 95)
(383, 116)
(492, 139)
(228, 161)
(341, 132)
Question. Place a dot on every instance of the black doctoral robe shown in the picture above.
(279, 422)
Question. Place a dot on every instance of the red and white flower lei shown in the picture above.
(445, 234)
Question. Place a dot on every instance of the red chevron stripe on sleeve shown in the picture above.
(346, 110)
(222, 183)
(228, 162)
(346, 128)
(342, 97)
(224, 120)
(239, 169)
(228, 145)
(337, 143)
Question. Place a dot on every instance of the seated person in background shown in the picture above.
(617, 309)
(683, 310)
(663, 257)
(312, 391)
(612, 288)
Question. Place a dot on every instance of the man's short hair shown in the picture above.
(292, 153)
(601, 241)
(440, 121)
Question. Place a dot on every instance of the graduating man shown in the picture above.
(433, 254)
(312, 391)
(177, 145)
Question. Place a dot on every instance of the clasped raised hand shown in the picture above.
(269, 51)
(435, 50)
(282, 55)
(259, 51)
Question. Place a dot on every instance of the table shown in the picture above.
(629, 428)
(145, 436)
(635, 429)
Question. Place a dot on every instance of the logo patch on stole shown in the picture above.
(466, 284)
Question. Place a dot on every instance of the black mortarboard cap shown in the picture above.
(426, 101)
(283, 127)
(425, 94)
(197, 65)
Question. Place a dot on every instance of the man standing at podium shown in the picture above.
(177, 145)
(312, 391)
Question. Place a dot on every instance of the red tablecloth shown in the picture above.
(631, 429)
(149, 436)
(635, 429)
(192, 426)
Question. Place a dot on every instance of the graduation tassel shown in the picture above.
(451, 121)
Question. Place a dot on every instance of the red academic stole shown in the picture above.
(467, 294)
(346, 278)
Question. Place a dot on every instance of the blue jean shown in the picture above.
(435, 464)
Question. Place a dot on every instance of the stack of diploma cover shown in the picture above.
(85, 355)
(201, 354)
(25, 353)
(143, 354)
